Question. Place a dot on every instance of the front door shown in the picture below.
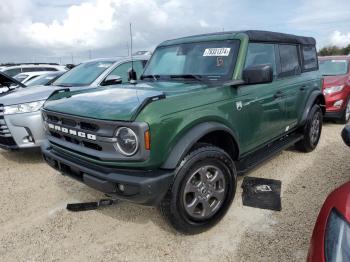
(261, 107)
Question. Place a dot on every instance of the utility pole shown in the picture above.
(72, 56)
(90, 54)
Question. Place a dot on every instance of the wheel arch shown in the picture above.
(316, 97)
(214, 133)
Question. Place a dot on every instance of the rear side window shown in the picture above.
(13, 72)
(49, 69)
(122, 70)
(309, 55)
(261, 54)
(31, 69)
(289, 60)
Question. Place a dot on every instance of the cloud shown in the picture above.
(59, 28)
(340, 39)
(105, 23)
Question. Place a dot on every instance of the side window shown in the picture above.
(289, 59)
(309, 58)
(261, 54)
(13, 72)
(30, 69)
(49, 69)
(122, 70)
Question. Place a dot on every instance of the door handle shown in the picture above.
(278, 94)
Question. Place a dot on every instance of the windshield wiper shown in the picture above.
(190, 76)
(64, 85)
(154, 77)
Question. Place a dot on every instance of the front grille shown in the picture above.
(5, 134)
(90, 137)
(75, 141)
(79, 125)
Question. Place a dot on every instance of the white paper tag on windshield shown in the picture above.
(217, 51)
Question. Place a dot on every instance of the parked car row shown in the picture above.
(21, 124)
(177, 131)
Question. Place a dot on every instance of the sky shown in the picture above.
(75, 30)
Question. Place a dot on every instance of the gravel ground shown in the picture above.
(34, 225)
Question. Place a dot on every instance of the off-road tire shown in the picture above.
(174, 206)
(311, 138)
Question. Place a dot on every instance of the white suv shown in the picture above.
(17, 69)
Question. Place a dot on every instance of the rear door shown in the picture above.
(261, 106)
(295, 81)
(290, 81)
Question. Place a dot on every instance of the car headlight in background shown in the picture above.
(127, 141)
(23, 108)
(333, 89)
(337, 238)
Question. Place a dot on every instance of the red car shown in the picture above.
(331, 237)
(336, 86)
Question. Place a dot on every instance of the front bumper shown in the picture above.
(22, 131)
(334, 114)
(140, 186)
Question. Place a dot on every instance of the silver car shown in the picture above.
(20, 117)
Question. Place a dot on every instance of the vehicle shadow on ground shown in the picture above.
(122, 210)
(26, 156)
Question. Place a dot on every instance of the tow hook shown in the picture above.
(86, 206)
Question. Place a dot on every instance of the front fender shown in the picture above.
(187, 141)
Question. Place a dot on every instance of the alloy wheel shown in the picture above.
(315, 128)
(204, 192)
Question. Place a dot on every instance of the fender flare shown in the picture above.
(186, 142)
(317, 94)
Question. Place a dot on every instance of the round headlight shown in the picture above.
(127, 141)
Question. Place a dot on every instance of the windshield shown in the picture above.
(42, 80)
(333, 67)
(83, 74)
(214, 60)
(20, 77)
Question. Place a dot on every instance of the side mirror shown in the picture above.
(346, 135)
(132, 76)
(112, 80)
(258, 74)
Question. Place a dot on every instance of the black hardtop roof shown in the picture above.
(255, 36)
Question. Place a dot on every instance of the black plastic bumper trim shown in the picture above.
(141, 187)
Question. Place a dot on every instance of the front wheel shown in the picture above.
(346, 114)
(312, 130)
(202, 192)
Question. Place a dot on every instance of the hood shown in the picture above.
(29, 94)
(329, 81)
(108, 103)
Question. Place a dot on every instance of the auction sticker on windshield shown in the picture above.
(217, 51)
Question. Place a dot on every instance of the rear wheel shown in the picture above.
(312, 130)
(203, 189)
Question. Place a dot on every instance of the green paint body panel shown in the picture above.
(252, 112)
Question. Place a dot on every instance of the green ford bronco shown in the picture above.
(208, 108)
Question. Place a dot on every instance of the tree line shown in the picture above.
(334, 50)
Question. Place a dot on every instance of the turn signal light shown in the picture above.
(147, 140)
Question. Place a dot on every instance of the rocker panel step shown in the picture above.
(251, 161)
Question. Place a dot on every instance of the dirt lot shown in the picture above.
(34, 225)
